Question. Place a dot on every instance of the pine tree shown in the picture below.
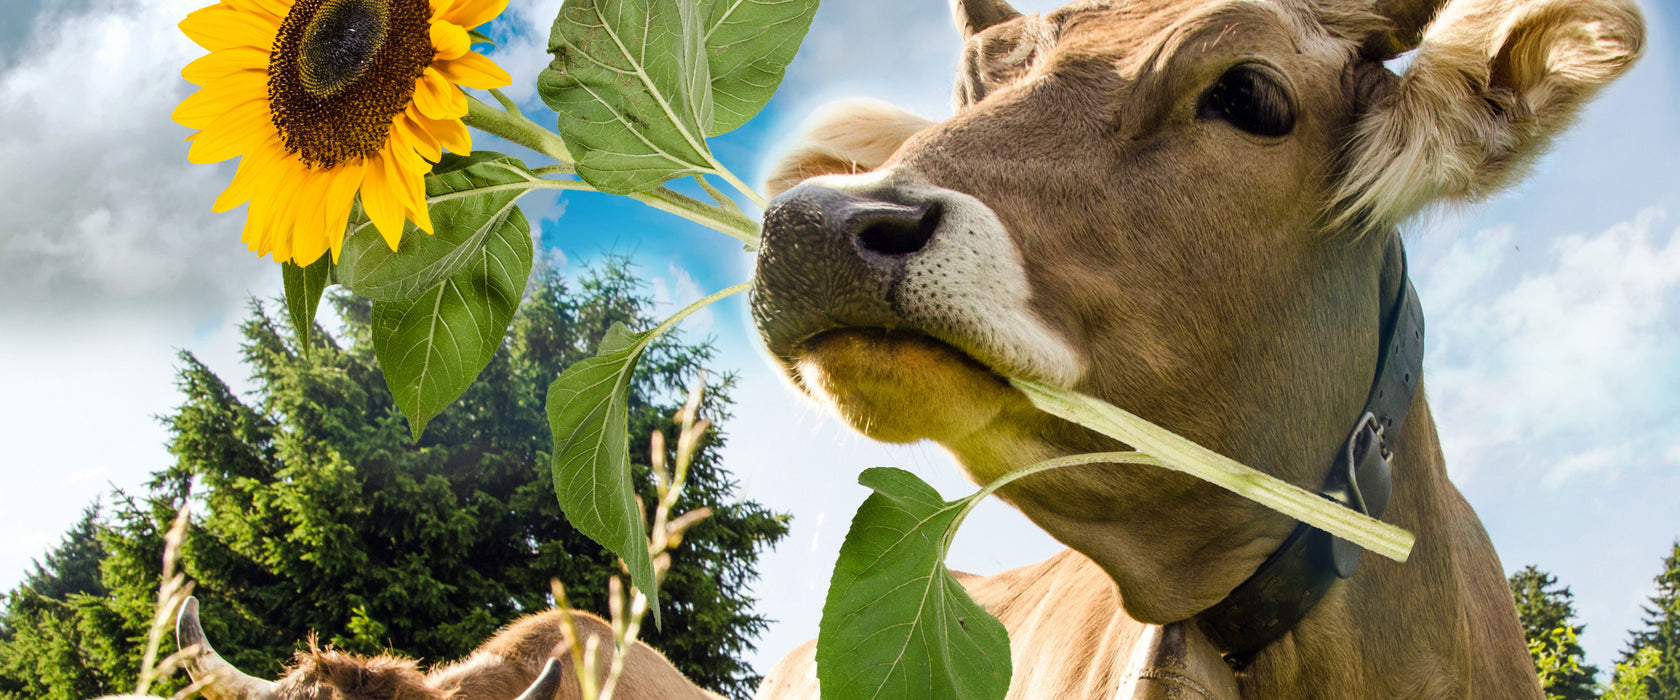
(1547, 613)
(316, 514)
(73, 567)
(46, 632)
(1661, 633)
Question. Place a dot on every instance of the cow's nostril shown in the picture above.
(897, 231)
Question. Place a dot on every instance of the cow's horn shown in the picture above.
(974, 16)
(547, 682)
(1409, 18)
(229, 682)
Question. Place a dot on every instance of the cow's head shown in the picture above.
(324, 674)
(1183, 207)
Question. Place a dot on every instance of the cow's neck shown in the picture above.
(1441, 624)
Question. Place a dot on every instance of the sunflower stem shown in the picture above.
(515, 127)
(733, 223)
(556, 169)
(729, 177)
(507, 102)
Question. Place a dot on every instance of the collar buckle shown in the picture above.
(1362, 480)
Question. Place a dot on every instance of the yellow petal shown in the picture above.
(220, 64)
(252, 167)
(381, 198)
(233, 134)
(471, 13)
(221, 27)
(253, 232)
(449, 133)
(401, 152)
(267, 9)
(335, 204)
(309, 241)
(202, 108)
(411, 136)
(437, 98)
(474, 70)
(422, 219)
(450, 40)
(287, 207)
(414, 200)
(259, 216)
(408, 179)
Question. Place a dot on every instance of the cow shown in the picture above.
(528, 660)
(1188, 209)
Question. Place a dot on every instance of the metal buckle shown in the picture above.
(1366, 485)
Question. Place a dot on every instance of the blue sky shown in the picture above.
(1553, 309)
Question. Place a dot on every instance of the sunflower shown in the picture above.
(322, 99)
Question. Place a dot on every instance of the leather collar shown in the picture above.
(1298, 574)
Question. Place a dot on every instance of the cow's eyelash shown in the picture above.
(1249, 98)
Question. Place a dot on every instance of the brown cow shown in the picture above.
(529, 660)
(1187, 208)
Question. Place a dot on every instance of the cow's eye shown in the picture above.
(1250, 100)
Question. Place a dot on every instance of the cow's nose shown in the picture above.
(891, 229)
(832, 258)
(882, 231)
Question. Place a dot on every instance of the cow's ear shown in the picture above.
(974, 16)
(1491, 83)
(846, 137)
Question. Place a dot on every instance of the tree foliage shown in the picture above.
(55, 624)
(1547, 613)
(316, 514)
(1654, 650)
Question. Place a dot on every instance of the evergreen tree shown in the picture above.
(72, 567)
(315, 514)
(1660, 637)
(1547, 613)
(47, 631)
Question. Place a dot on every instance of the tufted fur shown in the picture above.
(1492, 83)
(501, 669)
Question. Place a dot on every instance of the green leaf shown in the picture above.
(304, 286)
(1180, 454)
(587, 412)
(469, 198)
(748, 46)
(433, 346)
(896, 623)
(632, 87)
(475, 37)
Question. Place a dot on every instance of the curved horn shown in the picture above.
(1409, 18)
(974, 16)
(229, 682)
(547, 682)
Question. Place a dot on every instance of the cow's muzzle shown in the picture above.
(833, 259)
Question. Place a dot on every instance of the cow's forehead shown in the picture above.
(1156, 30)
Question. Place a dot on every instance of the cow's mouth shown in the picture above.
(900, 385)
(902, 305)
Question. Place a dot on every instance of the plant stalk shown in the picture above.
(514, 126)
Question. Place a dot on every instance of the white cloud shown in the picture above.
(525, 54)
(101, 205)
(1572, 355)
(110, 260)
